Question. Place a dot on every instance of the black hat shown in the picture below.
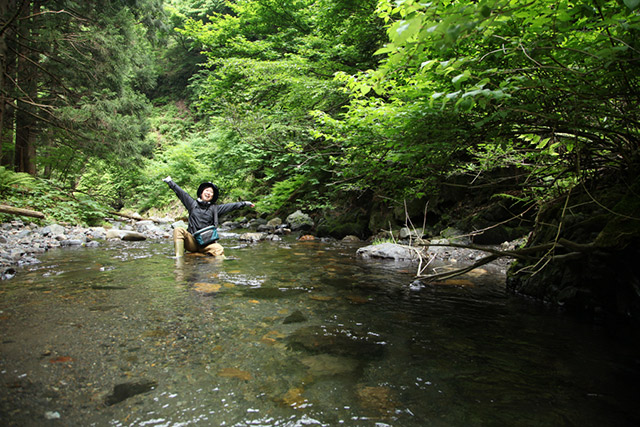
(204, 185)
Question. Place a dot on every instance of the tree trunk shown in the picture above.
(8, 14)
(26, 125)
(20, 211)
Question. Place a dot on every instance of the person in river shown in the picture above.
(201, 235)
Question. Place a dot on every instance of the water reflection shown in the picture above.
(289, 334)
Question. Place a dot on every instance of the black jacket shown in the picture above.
(201, 213)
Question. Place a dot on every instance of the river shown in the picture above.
(294, 333)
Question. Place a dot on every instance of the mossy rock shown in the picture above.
(599, 276)
(353, 223)
(340, 230)
(624, 224)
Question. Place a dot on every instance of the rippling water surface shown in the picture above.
(289, 334)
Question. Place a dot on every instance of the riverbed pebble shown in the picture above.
(22, 242)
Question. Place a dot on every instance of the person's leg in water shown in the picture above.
(183, 240)
(214, 249)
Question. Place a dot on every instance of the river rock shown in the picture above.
(179, 224)
(389, 251)
(274, 222)
(335, 341)
(126, 390)
(96, 233)
(265, 228)
(455, 236)
(299, 221)
(71, 242)
(327, 364)
(410, 233)
(133, 236)
(52, 230)
(256, 222)
(252, 237)
(126, 235)
(114, 234)
(295, 317)
(145, 225)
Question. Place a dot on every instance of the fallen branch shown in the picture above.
(516, 253)
(20, 211)
(577, 250)
(449, 274)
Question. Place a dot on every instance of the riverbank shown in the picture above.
(21, 243)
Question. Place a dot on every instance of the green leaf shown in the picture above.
(390, 47)
(460, 78)
(632, 4)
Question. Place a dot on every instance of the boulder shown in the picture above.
(266, 228)
(299, 221)
(133, 236)
(252, 237)
(389, 251)
(455, 236)
(97, 233)
(126, 235)
(274, 222)
(145, 225)
(256, 222)
(52, 230)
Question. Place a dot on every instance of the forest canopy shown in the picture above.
(317, 105)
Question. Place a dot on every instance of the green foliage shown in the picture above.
(57, 204)
(549, 86)
(281, 193)
(10, 180)
(270, 64)
(111, 183)
(296, 103)
(381, 240)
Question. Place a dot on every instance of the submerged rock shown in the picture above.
(126, 390)
(235, 373)
(336, 341)
(327, 365)
(379, 399)
(295, 317)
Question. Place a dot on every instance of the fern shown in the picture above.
(10, 180)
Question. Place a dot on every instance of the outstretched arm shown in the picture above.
(184, 197)
(228, 207)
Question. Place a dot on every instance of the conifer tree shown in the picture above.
(74, 73)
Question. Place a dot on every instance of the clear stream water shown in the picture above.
(294, 334)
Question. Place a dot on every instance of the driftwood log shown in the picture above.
(135, 217)
(19, 211)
